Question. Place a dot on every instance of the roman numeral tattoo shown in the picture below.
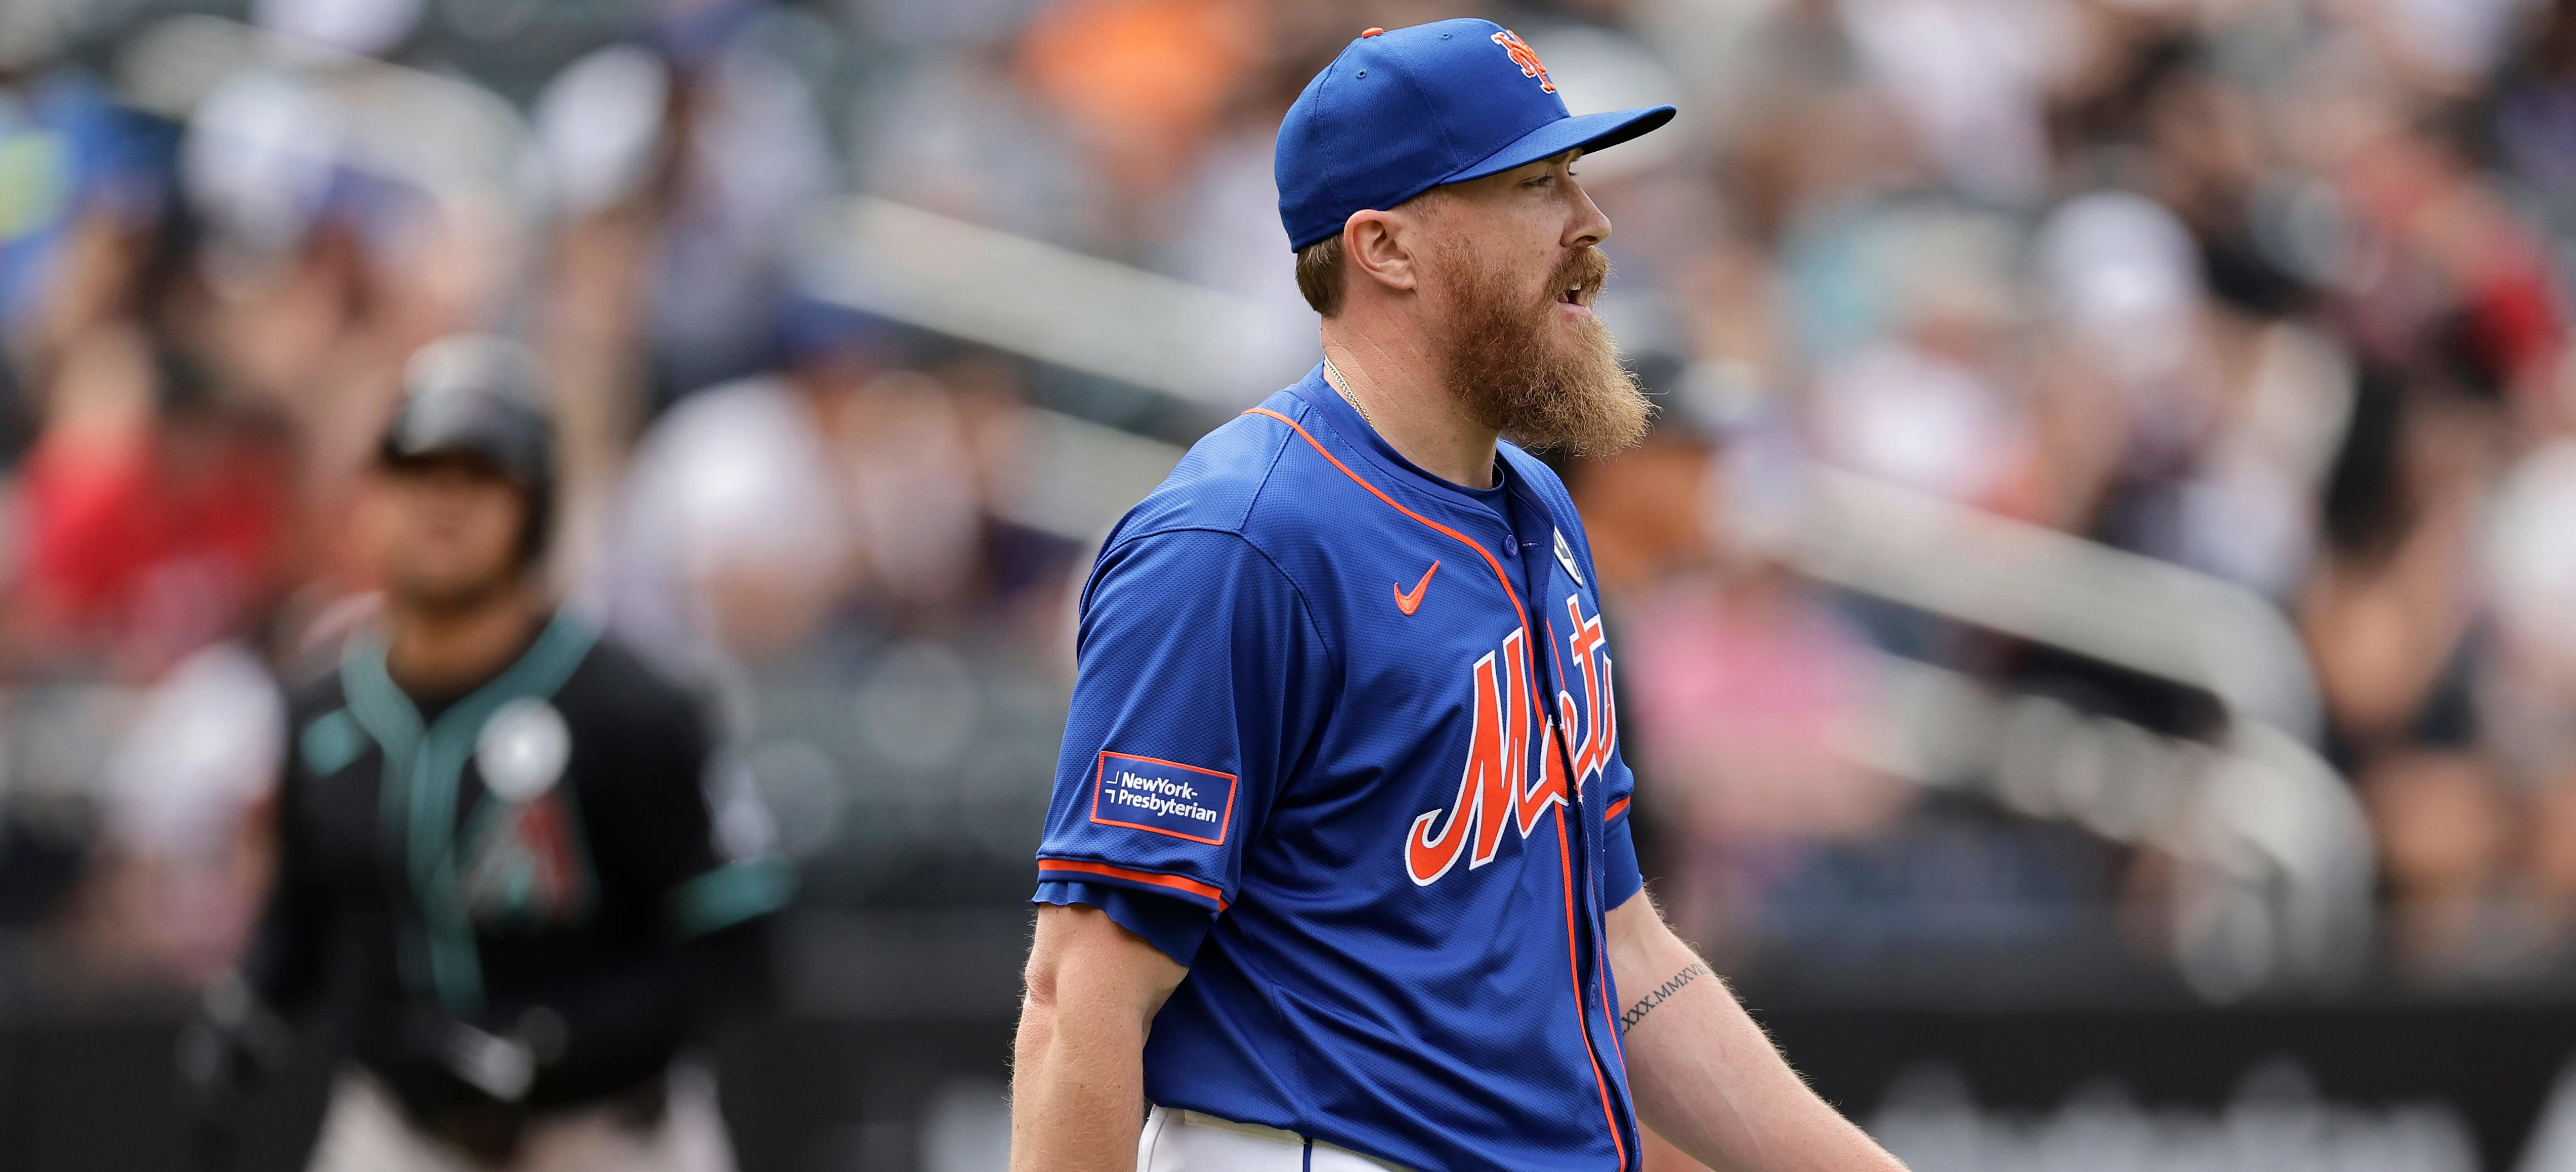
(1662, 993)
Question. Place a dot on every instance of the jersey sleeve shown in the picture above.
(1621, 879)
(1174, 927)
(655, 830)
(1201, 678)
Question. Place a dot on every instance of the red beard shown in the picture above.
(1504, 361)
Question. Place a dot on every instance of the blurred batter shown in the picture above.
(495, 853)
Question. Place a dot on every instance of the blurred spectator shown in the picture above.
(736, 531)
(1217, 226)
(187, 844)
(2210, 430)
(1971, 76)
(1749, 696)
(352, 211)
(1141, 82)
(155, 512)
(681, 166)
(693, 155)
(2534, 117)
(2530, 698)
(71, 157)
(1922, 391)
(958, 136)
(844, 489)
(2394, 619)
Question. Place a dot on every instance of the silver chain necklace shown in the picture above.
(1333, 375)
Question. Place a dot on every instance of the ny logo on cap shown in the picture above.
(1525, 57)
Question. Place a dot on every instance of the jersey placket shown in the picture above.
(424, 767)
(1582, 830)
(1591, 825)
(1582, 855)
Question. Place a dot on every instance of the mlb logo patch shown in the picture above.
(1164, 797)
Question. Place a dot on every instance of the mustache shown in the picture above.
(1584, 272)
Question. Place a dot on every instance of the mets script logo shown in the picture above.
(1525, 57)
(1497, 789)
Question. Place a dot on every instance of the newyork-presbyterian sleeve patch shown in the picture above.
(1164, 797)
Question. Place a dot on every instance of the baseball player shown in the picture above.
(495, 853)
(1338, 873)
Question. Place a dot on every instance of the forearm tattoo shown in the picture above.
(1663, 992)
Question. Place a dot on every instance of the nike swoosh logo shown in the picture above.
(1408, 603)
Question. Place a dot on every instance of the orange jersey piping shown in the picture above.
(1564, 853)
(1175, 882)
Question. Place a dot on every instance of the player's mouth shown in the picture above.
(1577, 298)
(1578, 282)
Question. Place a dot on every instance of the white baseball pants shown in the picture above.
(1191, 1141)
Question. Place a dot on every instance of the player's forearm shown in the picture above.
(1077, 1091)
(1706, 1077)
(1078, 1067)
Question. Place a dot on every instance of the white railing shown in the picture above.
(2278, 873)
(458, 143)
(2045, 586)
(1031, 298)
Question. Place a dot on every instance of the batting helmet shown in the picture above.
(480, 396)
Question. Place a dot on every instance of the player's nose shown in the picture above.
(1588, 225)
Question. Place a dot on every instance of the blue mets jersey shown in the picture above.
(1343, 743)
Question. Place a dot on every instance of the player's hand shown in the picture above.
(478, 1085)
(503, 1065)
(498, 1065)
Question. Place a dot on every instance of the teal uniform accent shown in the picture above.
(729, 895)
(417, 804)
(331, 742)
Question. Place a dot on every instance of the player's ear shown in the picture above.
(1375, 244)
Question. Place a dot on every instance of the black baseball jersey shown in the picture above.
(540, 842)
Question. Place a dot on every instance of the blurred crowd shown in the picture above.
(2269, 290)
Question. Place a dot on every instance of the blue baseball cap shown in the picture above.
(1403, 111)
